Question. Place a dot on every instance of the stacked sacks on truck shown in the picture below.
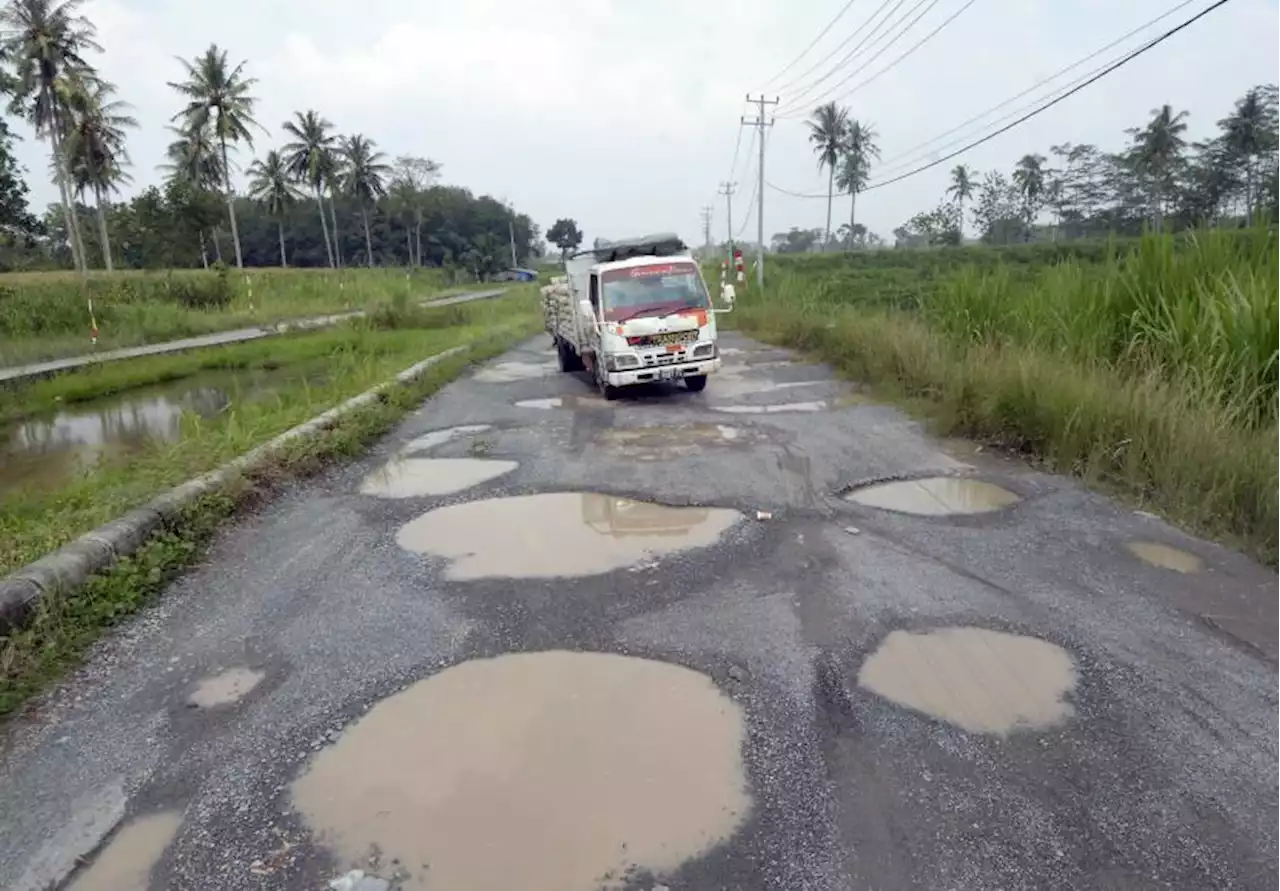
(554, 298)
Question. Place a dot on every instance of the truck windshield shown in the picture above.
(652, 290)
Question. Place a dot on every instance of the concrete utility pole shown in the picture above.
(706, 228)
(726, 189)
(760, 123)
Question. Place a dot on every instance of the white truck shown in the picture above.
(634, 312)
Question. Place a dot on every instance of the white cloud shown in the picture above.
(624, 115)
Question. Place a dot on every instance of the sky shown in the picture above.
(625, 115)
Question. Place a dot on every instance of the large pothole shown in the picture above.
(509, 372)
(552, 771)
(558, 534)
(661, 442)
(226, 688)
(126, 862)
(936, 496)
(1165, 556)
(980, 680)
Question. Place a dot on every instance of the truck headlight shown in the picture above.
(704, 350)
(620, 361)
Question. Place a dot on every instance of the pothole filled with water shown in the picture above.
(418, 477)
(431, 440)
(509, 372)
(660, 442)
(126, 862)
(226, 688)
(558, 534)
(815, 405)
(553, 771)
(571, 402)
(980, 680)
(937, 496)
(1165, 556)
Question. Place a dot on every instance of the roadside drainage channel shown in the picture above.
(71, 565)
(19, 373)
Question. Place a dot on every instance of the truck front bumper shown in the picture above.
(654, 373)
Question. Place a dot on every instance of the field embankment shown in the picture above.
(1148, 367)
(46, 315)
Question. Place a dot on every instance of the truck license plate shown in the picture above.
(666, 374)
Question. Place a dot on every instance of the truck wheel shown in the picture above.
(696, 382)
(608, 391)
(562, 353)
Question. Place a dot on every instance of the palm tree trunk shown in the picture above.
(853, 214)
(72, 242)
(284, 259)
(102, 230)
(204, 251)
(1248, 192)
(231, 206)
(337, 240)
(408, 240)
(368, 239)
(417, 235)
(831, 194)
(217, 246)
(68, 211)
(324, 226)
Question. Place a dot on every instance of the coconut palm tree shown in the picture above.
(333, 179)
(218, 95)
(860, 152)
(42, 39)
(1156, 154)
(95, 150)
(194, 159)
(961, 190)
(828, 130)
(1250, 135)
(307, 158)
(364, 179)
(270, 186)
(1028, 176)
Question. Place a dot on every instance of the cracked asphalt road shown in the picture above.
(1154, 767)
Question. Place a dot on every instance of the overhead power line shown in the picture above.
(1124, 60)
(901, 56)
(805, 96)
(912, 154)
(841, 45)
(821, 34)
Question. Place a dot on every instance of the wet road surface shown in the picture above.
(765, 636)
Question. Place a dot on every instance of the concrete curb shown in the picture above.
(70, 566)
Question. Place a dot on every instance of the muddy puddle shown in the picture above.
(126, 862)
(510, 372)
(937, 496)
(571, 402)
(418, 477)
(558, 534)
(979, 680)
(553, 771)
(226, 688)
(428, 441)
(1165, 556)
(658, 443)
(49, 450)
(814, 405)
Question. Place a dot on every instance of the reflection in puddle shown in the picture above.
(223, 689)
(935, 496)
(550, 771)
(816, 405)
(571, 402)
(979, 680)
(1165, 556)
(50, 450)
(508, 372)
(428, 441)
(558, 534)
(126, 862)
(416, 477)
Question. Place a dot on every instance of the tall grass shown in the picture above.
(1149, 367)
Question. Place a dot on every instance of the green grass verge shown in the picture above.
(1150, 373)
(64, 626)
(45, 315)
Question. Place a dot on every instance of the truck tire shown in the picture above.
(696, 383)
(569, 360)
(608, 391)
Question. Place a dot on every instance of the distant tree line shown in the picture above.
(320, 198)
